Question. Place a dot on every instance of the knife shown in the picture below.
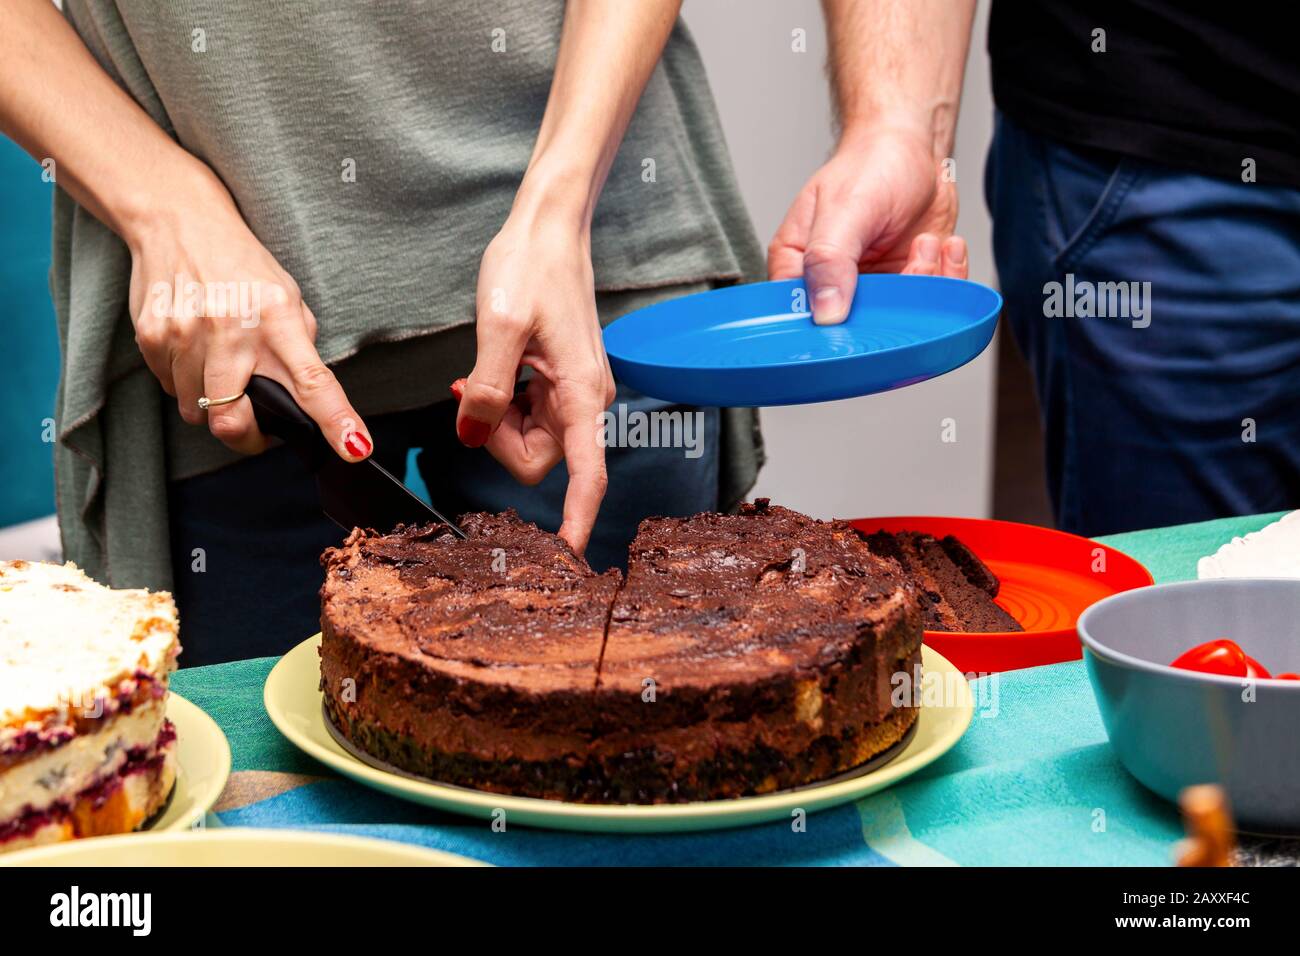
(362, 494)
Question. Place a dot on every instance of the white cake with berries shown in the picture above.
(85, 746)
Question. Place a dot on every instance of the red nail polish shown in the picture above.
(357, 444)
(458, 389)
(472, 432)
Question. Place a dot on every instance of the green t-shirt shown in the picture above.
(374, 149)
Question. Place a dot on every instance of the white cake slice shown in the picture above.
(85, 747)
(1271, 552)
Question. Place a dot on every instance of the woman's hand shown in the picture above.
(880, 204)
(212, 307)
(537, 308)
(536, 292)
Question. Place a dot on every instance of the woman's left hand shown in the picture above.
(537, 308)
(536, 291)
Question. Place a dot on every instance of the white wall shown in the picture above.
(882, 454)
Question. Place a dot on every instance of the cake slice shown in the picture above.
(85, 747)
(472, 660)
(770, 641)
(957, 588)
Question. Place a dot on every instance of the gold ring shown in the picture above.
(205, 403)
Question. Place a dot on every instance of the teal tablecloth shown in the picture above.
(1032, 782)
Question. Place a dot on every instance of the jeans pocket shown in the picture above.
(1083, 192)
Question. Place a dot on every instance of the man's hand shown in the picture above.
(881, 204)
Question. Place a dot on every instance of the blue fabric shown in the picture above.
(29, 362)
(1033, 782)
(260, 530)
(832, 838)
(1023, 788)
(1145, 422)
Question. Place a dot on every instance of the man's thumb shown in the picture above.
(830, 271)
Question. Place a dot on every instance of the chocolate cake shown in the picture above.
(742, 654)
(956, 588)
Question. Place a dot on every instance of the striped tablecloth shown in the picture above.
(1032, 782)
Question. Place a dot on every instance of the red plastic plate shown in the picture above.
(1048, 579)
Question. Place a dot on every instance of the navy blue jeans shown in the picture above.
(1160, 313)
(261, 530)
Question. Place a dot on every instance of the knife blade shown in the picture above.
(362, 494)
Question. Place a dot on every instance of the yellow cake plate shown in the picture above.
(233, 847)
(202, 767)
(293, 701)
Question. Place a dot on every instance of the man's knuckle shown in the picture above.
(822, 252)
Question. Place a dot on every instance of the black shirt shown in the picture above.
(1202, 86)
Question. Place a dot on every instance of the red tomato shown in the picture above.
(1256, 670)
(1214, 657)
(1287, 676)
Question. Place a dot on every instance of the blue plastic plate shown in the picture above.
(757, 345)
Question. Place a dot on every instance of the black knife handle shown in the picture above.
(279, 415)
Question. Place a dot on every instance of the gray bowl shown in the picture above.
(1172, 728)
